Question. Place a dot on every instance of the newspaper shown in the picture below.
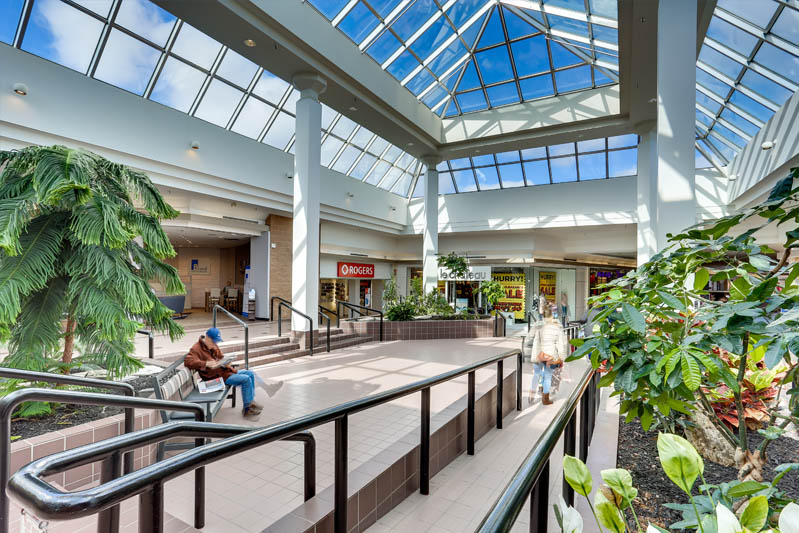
(211, 385)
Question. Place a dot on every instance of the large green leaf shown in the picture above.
(608, 514)
(672, 301)
(755, 514)
(745, 488)
(691, 374)
(633, 318)
(621, 482)
(680, 461)
(577, 475)
(760, 262)
(789, 519)
(781, 190)
(60, 170)
(726, 521)
(701, 278)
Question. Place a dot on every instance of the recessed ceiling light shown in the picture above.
(195, 145)
(21, 89)
(410, 144)
(353, 108)
(249, 42)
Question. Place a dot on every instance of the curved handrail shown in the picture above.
(322, 315)
(280, 306)
(246, 332)
(510, 503)
(272, 305)
(150, 342)
(49, 502)
(359, 309)
(10, 402)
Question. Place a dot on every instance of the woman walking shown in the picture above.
(549, 346)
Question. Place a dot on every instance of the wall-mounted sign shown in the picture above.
(513, 285)
(355, 270)
(199, 266)
(475, 273)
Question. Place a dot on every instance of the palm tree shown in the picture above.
(80, 237)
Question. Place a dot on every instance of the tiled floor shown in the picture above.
(462, 493)
(250, 491)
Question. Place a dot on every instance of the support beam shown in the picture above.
(676, 67)
(305, 236)
(430, 242)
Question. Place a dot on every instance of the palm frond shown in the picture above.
(33, 268)
(159, 319)
(38, 330)
(15, 214)
(151, 231)
(98, 222)
(60, 170)
(144, 189)
(114, 355)
(154, 269)
(98, 307)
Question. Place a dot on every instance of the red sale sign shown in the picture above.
(355, 270)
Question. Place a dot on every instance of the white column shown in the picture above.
(307, 149)
(676, 66)
(259, 270)
(647, 202)
(430, 244)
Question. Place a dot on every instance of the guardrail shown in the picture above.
(360, 310)
(10, 402)
(272, 305)
(27, 486)
(532, 477)
(322, 315)
(280, 305)
(246, 332)
(150, 342)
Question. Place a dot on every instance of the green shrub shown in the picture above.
(401, 311)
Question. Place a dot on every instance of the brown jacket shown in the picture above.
(199, 354)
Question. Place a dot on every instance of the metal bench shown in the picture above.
(177, 382)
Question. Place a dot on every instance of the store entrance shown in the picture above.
(332, 291)
(366, 293)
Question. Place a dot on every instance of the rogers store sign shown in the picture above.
(356, 270)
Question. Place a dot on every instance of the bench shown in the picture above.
(177, 382)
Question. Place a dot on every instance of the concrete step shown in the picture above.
(258, 342)
(298, 352)
(334, 337)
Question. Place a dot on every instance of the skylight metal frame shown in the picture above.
(747, 62)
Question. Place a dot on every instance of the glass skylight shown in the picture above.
(747, 68)
(145, 50)
(589, 160)
(458, 56)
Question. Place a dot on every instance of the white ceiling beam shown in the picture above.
(562, 12)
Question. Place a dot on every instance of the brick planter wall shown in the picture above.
(27, 450)
(415, 330)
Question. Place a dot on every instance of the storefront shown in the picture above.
(513, 282)
(599, 276)
(558, 286)
(357, 283)
(461, 291)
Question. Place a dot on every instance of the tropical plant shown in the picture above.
(493, 292)
(762, 506)
(390, 294)
(660, 334)
(80, 237)
(401, 311)
(456, 264)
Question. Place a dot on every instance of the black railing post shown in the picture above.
(568, 449)
(310, 468)
(470, 416)
(424, 447)
(130, 426)
(585, 421)
(519, 380)
(279, 320)
(381, 328)
(340, 479)
(539, 502)
(151, 509)
(328, 333)
(108, 520)
(338, 314)
(499, 393)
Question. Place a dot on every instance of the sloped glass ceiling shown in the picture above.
(748, 67)
(458, 56)
(588, 160)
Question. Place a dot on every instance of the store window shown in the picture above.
(332, 291)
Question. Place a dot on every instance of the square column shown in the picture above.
(676, 67)
(305, 236)
(647, 201)
(430, 242)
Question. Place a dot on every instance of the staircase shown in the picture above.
(265, 350)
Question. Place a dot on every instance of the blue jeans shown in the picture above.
(541, 372)
(246, 380)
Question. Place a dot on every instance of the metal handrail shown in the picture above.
(280, 305)
(64, 379)
(358, 309)
(272, 305)
(324, 309)
(322, 315)
(150, 342)
(246, 332)
(10, 402)
(49, 502)
(27, 483)
(532, 477)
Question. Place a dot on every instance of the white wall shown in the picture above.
(66, 107)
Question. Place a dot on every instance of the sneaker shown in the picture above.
(256, 405)
(272, 388)
(251, 414)
(257, 408)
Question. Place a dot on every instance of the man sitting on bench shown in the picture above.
(206, 358)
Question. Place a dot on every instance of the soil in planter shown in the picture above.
(638, 453)
(68, 415)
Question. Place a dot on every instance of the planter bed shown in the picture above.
(423, 329)
(637, 452)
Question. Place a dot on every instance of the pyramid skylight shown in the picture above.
(459, 56)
